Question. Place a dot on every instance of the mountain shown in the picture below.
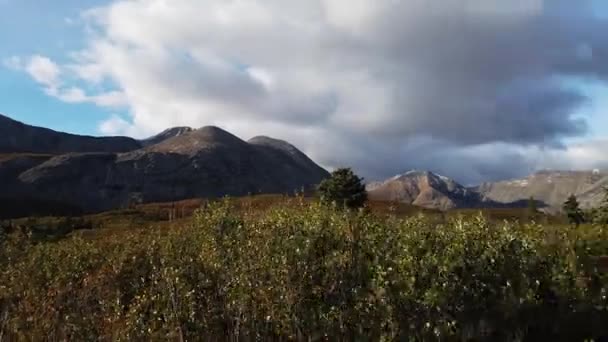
(552, 188)
(282, 153)
(83, 173)
(17, 137)
(549, 189)
(425, 189)
(203, 163)
(196, 141)
(166, 134)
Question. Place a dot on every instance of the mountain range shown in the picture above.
(96, 174)
(55, 169)
(548, 188)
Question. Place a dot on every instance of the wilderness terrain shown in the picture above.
(48, 172)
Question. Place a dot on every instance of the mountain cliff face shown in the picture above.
(17, 137)
(549, 187)
(425, 189)
(203, 163)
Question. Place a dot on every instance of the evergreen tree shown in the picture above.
(573, 211)
(532, 208)
(344, 188)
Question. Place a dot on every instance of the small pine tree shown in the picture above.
(344, 188)
(573, 211)
(532, 208)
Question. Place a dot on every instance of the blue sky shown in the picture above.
(341, 79)
(27, 28)
(597, 111)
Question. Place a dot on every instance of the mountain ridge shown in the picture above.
(549, 188)
(208, 162)
(18, 137)
(166, 134)
(423, 188)
(181, 162)
(552, 187)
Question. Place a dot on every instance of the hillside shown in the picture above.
(166, 134)
(425, 189)
(204, 163)
(549, 187)
(17, 137)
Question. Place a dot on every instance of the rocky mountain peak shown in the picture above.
(167, 134)
(423, 188)
(278, 144)
(195, 141)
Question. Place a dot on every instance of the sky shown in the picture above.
(478, 90)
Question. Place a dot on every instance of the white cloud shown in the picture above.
(114, 125)
(110, 99)
(72, 95)
(44, 71)
(583, 155)
(49, 75)
(77, 95)
(465, 85)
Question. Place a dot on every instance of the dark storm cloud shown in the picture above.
(479, 77)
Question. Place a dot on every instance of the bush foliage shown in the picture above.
(573, 211)
(344, 189)
(309, 273)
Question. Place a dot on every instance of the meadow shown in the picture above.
(278, 268)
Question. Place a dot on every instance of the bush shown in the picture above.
(344, 189)
(573, 211)
(309, 273)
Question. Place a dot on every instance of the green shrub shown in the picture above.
(309, 273)
(344, 189)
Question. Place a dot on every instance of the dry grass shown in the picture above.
(9, 156)
(171, 214)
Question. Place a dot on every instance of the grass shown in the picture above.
(169, 215)
(159, 213)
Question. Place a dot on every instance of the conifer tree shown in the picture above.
(573, 211)
(344, 188)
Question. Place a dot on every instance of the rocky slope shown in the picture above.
(17, 137)
(166, 134)
(207, 162)
(425, 189)
(551, 188)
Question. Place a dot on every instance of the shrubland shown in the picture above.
(304, 271)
